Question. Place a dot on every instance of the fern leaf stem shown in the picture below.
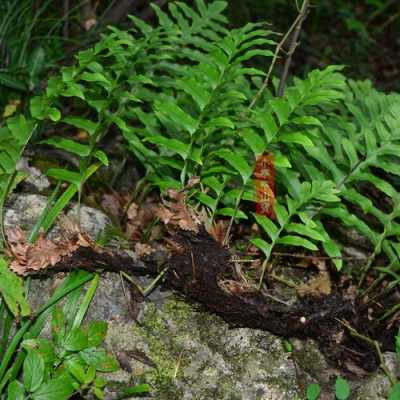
(274, 60)
(292, 47)
(228, 231)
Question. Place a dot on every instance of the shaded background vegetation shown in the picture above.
(38, 35)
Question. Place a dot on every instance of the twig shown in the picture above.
(270, 296)
(273, 62)
(66, 23)
(149, 12)
(390, 21)
(292, 47)
(283, 280)
(372, 343)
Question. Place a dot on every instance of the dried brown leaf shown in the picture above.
(43, 254)
(177, 212)
(319, 286)
(111, 204)
(132, 211)
(143, 249)
(193, 181)
(218, 231)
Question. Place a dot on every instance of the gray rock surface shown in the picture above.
(186, 353)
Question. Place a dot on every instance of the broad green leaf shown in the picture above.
(267, 123)
(394, 393)
(41, 110)
(82, 123)
(97, 331)
(12, 290)
(307, 120)
(220, 122)
(171, 144)
(95, 77)
(44, 347)
(281, 213)
(291, 240)
(253, 53)
(21, 128)
(15, 391)
(53, 114)
(102, 361)
(350, 151)
(342, 389)
(12, 82)
(268, 226)
(76, 339)
(281, 161)
(7, 163)
(230, 212)
(207, 200)
(55, 389)
(262, 245)
(254, 141)
(74, 366)
(65, 175)
(237, 162)
(142, 388)
(281, 109)
(296, 137)
(304, 230)
(144, 28)
(102, 157)
(69, 145)
(33, 371)
(213, 183)
(73, 89)
(196, 91)
(179, 117)
(313, 391)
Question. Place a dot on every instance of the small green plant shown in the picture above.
(342, 390)
(65, 364)
(313, 391)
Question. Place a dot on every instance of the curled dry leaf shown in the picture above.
(319, 286)
(139, 218)
(177, 213)
(143, 249)
(218, 230)
(111, 203)
(193, 181)
(43, 254)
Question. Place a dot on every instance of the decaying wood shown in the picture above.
(201, 269)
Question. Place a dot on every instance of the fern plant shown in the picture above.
(181, 95)
(364, 166)
(294, 227)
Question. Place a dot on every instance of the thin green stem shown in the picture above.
(228, 231)
(374, 344)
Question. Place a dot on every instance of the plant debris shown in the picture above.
(200, 269)
(177, 213)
